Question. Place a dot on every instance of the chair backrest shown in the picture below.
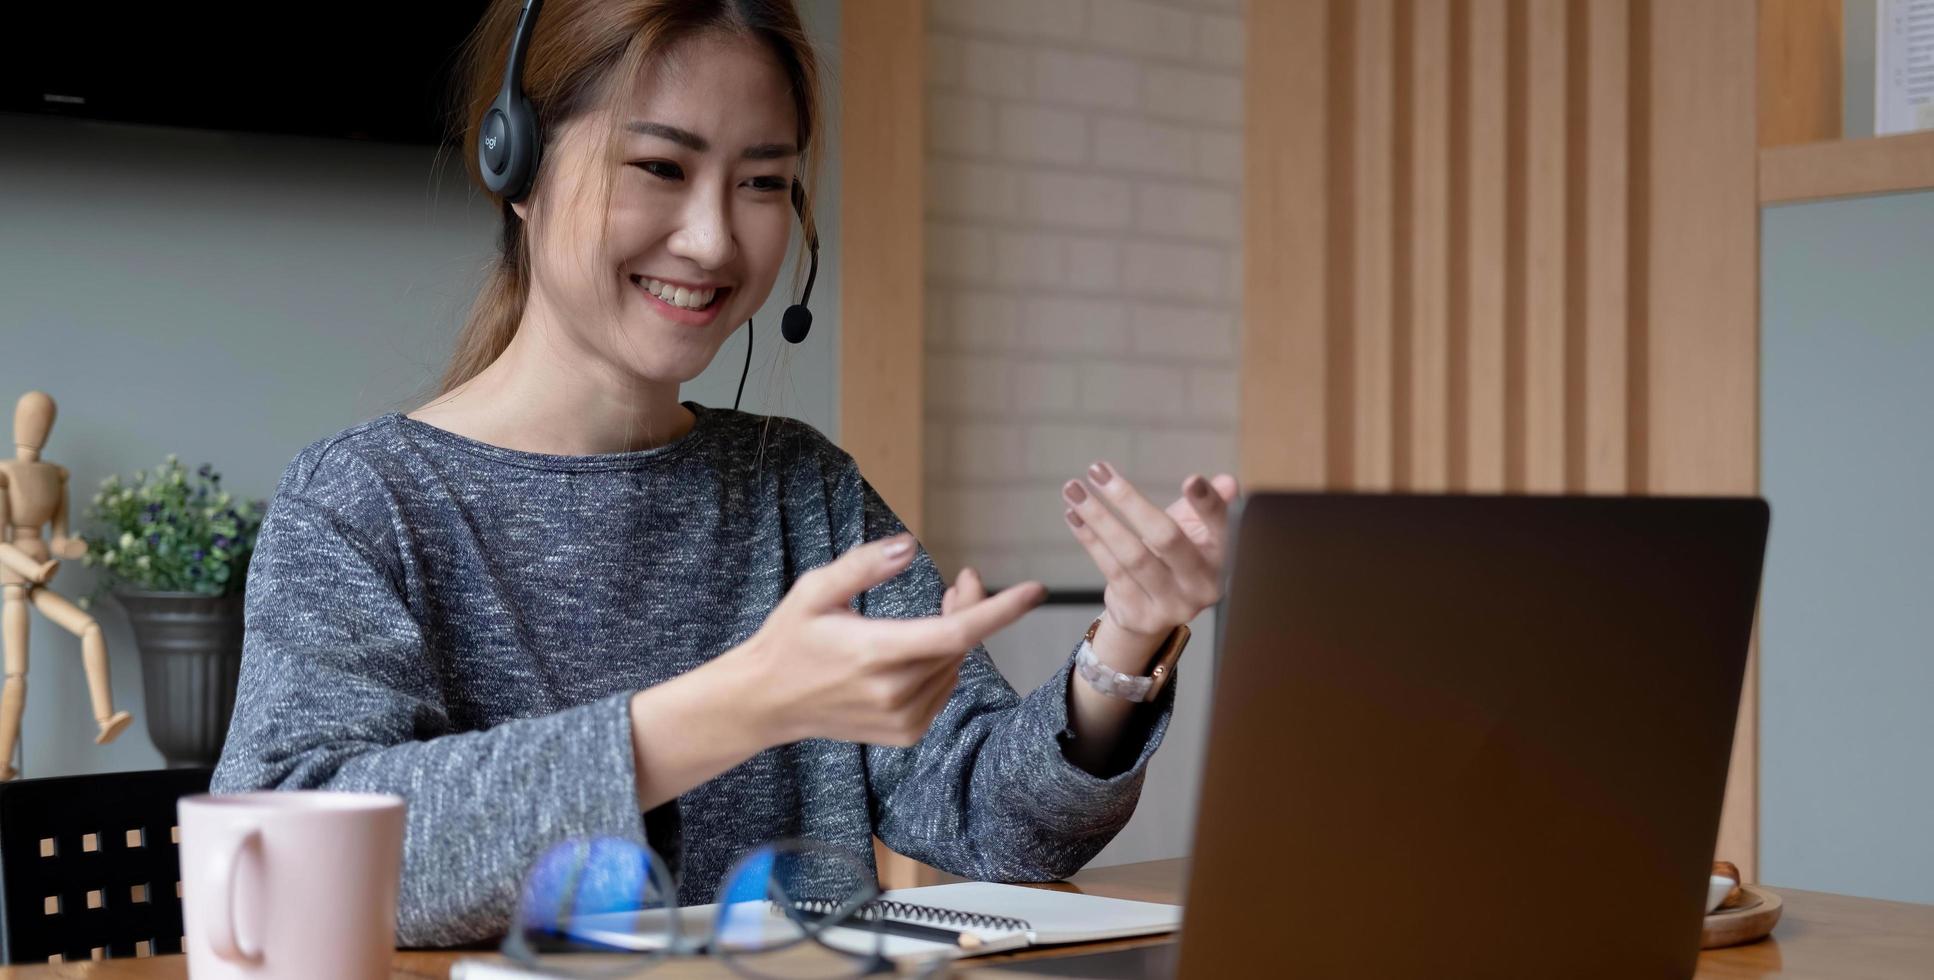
(90, 865)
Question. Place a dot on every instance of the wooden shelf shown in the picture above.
(1841, 168)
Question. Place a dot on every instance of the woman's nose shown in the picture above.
(705, 236)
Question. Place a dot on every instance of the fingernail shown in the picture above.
(897, 548)
(1198, 487)
(1073, 519)
(1101, 473)
(1073, 492)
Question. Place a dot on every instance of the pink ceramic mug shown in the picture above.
(284, 885)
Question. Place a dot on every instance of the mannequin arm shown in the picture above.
(62, 545)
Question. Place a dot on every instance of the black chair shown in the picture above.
(90, 865)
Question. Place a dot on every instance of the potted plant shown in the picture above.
(175, 555)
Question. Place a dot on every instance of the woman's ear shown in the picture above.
(522, 213)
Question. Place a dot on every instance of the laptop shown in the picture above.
(1464, 736)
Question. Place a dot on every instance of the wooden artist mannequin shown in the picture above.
(33, 493)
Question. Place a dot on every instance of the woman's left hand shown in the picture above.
(1163, 567)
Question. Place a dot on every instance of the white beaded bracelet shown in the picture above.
(1107, 680)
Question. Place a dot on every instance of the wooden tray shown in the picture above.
(1754, 918)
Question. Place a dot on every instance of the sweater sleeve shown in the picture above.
(989, 792)
(337, 691)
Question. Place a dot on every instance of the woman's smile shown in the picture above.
(695, 306)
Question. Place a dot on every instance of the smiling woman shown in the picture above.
(559, 603)
(672, 133)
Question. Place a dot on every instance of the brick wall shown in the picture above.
(1083, 265)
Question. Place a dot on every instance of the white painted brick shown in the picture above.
(1187, 212)
(1083, 201)
(983, 321)
(1035, 134)
(937, 324)
(987, 451)
(935, 450)
(1218, 156)
(1094, 263)
(997, 517)
(1197, 96)
(992, 68)
(1067, 567)
(1023, 259)
(1140, 27)
(959, 123)
(1066, 324)
(1219, 40)
(1166, 457)
(957, 189)
(1092, 80)
(946, 60)
(959, 254)
(1058, 19)
(1198, 272)
(1182, 332)
(1144, 147)
(1061, 451)
(965, 383)
(1132, 391)
(1037, 388)
(1213, 394)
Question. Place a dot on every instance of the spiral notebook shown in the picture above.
(997, 917)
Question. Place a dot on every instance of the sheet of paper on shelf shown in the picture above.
(1904, 66)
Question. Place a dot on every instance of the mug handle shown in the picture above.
(222, 935)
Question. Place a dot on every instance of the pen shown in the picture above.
(909, 930)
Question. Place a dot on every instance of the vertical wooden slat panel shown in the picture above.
(1605, 307)
(883, 277)
(1800, 50)
(882, 341)
(1507, 245)
(1430, 247)
(1339, 311)
(1375, 32)
(1544, 247)
(1703, 364)
(1485, 247)
(1283, 418)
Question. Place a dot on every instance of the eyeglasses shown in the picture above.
(788, 910)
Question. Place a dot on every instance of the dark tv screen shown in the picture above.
(372, 71)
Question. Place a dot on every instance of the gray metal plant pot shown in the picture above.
(191, 654)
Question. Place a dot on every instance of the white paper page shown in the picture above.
(1904, 66)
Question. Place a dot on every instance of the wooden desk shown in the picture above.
(1820, 935)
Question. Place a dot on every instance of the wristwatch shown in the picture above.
(1116, 684)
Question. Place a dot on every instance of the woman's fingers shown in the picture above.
(834, 584)
(1145, 542)
(950, 634)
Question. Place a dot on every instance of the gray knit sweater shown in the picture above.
(463, 625)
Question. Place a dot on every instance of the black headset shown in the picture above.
(510, 145)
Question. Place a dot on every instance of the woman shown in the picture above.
(559, 602)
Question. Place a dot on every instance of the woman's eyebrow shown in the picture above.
(699, 144)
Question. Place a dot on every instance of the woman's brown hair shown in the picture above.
(578, 50)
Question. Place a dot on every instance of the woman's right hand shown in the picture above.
(828, 672)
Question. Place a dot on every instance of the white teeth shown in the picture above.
(679, 296)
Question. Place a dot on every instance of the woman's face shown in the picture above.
(700, 211)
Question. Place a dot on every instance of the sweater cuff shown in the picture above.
(1068, 795)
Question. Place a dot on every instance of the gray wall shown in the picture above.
(232, 297)
(1847, 627)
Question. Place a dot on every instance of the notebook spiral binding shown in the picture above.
(910, 912)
